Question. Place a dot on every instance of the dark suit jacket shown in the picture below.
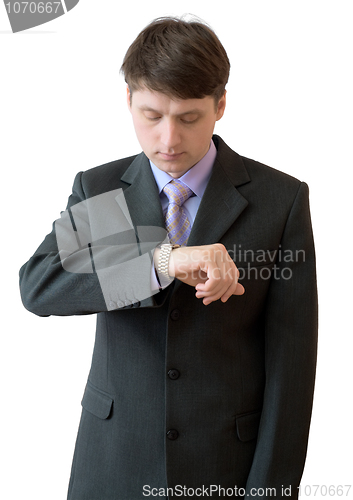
(233, 382)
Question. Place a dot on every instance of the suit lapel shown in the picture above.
(142, 195)
(221, 203)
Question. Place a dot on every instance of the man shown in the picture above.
(201, 385)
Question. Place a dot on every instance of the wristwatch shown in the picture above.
(163, 263)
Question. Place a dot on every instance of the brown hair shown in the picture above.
(182, 59)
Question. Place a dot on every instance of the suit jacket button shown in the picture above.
(175, 314)
(173, 374)
(172, 434)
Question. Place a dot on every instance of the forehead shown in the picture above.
(148, 100)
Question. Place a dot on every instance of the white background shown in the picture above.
(63, 110)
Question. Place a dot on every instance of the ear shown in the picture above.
(128, 96)
(221, 106)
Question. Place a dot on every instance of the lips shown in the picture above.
(170, 157)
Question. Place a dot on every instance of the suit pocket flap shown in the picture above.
(97, 402)
(248, 425)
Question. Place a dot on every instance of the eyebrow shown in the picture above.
(189, 112)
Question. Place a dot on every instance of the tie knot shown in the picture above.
(177, 192)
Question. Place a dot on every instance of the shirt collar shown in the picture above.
(196, 178)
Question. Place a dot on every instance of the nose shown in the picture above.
(170, 135)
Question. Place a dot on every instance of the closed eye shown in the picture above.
(189, 121)
(189, 118)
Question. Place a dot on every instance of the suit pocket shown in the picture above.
(97, 402)
(247, 425)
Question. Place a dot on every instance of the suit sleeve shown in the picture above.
(290, 354)
(85, 267)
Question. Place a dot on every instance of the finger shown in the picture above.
(216, 289)
(229, 292)
(240, 290)
(218, 277)
(225, 291)
(236, 289)
(213, 289)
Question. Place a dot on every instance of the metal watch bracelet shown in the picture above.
(163, 263)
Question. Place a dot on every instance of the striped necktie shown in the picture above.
(176, 221)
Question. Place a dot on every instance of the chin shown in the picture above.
(170, 166)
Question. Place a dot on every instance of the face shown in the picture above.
(174, 133)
